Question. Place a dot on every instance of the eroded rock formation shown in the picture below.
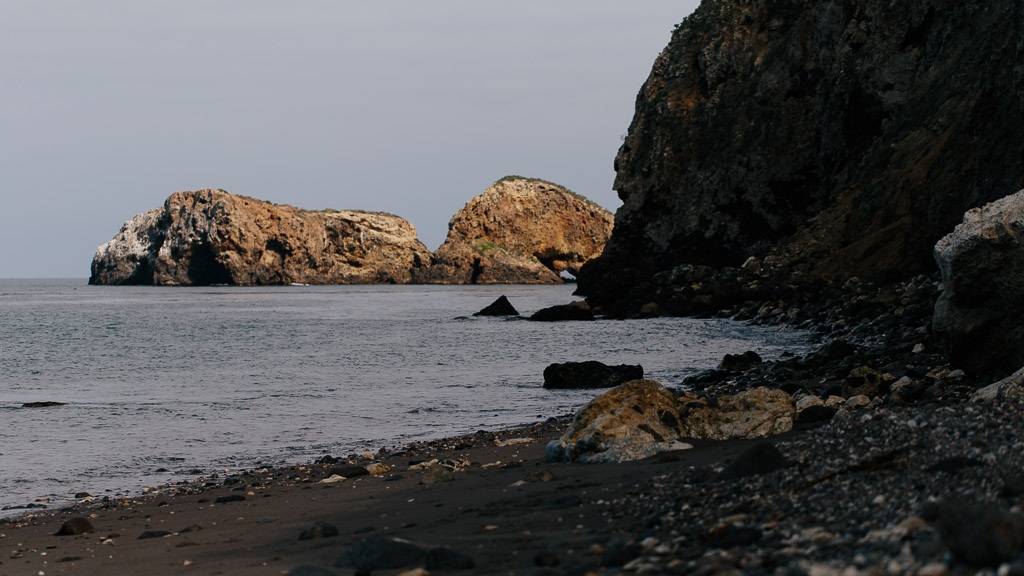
(520, 230)
(212, 237)
(836, 138)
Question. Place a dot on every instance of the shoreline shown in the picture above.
(492, 497)
(870, 492)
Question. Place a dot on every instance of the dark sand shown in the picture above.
(481, 512)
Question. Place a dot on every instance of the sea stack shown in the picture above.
(519, 231)
(209, 237)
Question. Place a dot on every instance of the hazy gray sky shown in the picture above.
(408, 107)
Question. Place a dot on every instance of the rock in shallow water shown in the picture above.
(578, 310)
(500, 307)
(590, 374)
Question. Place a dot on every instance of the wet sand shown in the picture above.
(502, 506)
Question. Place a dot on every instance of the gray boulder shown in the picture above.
(980, 313)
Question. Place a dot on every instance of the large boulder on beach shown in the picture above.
(756, 413)
(590, 374)
(206, 237)
(980, 313)
(629, 422)
(641, 418)
(519, 231)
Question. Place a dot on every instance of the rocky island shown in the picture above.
(519, 231)
(213, 237)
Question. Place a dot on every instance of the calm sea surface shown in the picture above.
(159, 383)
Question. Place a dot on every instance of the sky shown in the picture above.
(401, 106)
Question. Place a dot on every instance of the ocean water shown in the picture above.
(161, 383)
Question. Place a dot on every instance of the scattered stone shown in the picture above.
(954, 464)
(318, 529)
(1008, 388)
(590, 374)
(731, 536)
(815, 415)
(560, 502)
(863, 381)
(230, 498)
(75, 526)
(1013, 486)
(349, 471)
(540, 476)
(379, 553)
(310, 570)
(978, 533)
(147, 534)
(445, 558)
(855, 402)
(500, 307)
(377, 469)
(436, 474)
(740, 362)
(761, 458)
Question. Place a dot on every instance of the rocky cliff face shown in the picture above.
(520, 230)
(835, 137)
(213, 237)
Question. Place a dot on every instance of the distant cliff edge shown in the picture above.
(523, 231)
(824, 139)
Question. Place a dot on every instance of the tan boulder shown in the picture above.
(520, 230)
(756, 413)
(632, 421)
(642, 418)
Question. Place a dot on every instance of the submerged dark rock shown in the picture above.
(578, 310)
(740, 362)
(500, 307)
(46, 404)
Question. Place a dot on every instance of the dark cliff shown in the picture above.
(834, 138)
